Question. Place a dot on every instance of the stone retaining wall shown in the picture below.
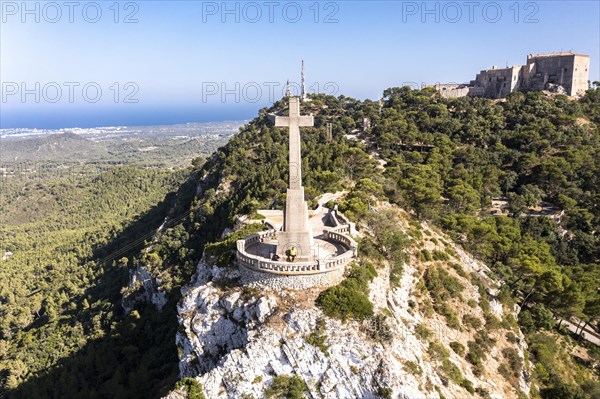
(277, 282)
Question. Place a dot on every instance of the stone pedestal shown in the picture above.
(296, 231)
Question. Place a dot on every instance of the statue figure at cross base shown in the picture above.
(296, 234)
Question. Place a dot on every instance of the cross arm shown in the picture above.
(306, 121)
(282, 121)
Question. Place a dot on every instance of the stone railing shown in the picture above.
(338, 261)
(343, 228)
(266, 265)
(271, 266)
(255, 238)
(340, 222)
(339, 237)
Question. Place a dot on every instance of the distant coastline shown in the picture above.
(167, 129)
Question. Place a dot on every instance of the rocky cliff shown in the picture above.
(235, 340)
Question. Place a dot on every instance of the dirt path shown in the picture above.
(586, 334)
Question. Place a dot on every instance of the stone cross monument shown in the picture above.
(296, 230)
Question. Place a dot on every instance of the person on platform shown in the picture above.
(293, 254)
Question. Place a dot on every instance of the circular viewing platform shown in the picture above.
(332, 250)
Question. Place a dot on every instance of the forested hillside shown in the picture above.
(442, 159)
(445, 160)
(70, 228)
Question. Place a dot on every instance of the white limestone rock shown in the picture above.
(228, 344)
(214, 324)
(144, 288)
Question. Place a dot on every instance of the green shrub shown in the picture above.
(363, 274)
(451, 318)
(422, 332)
(256, 216)
(287, 386)
(318, 337)
(192, 387)
(350, 298)
(472, 321)
(378, 328)
(412, 368)
(344, 301)
(354, 208)
(484, 340)
(505, 372)
(437, 351)
(369, 249)
(563, 391)
(484, 302)
(509, 322)
(459, 270)
(442, 287)
(515, 363)
(427, 308)
(415, 234)
(257, 380)
(396, 273)
(468, 385)
(475, 356)
(505, 297)
(452, 372)
(385, 393)
(440, 255)
(511, 337)
(457, 347)
(477, 351)
(491, 321)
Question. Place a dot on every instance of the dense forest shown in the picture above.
(70, 229)
(64, 333)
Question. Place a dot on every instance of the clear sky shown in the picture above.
(151, 62)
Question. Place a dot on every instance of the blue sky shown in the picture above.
(185, 61)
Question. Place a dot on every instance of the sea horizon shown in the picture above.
(50, 118)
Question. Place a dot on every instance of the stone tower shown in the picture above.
(296, 230)
(303, 88)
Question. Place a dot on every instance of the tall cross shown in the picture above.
(294, 121)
